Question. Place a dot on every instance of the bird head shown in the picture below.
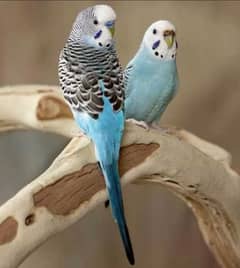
(160, 39)
(95, 26)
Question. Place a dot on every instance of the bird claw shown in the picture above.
(139, 123)
(156, 126)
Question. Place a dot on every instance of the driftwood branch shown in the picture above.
(195, 170)
(35, 107)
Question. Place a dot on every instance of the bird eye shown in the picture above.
(154, 31)
(95, 22)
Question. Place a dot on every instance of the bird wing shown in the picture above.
(81, 84)
(114, 88)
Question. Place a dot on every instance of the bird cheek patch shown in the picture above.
(98, 34)
(156, 44)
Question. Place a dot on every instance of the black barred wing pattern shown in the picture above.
(81, 74)
(114, 90)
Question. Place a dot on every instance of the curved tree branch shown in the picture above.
(35, 107)
(196, 171)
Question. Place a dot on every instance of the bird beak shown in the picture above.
(169, 37)
(111, 26)
(112, 30)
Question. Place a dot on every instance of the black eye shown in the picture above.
(154, 31)
(95, 22)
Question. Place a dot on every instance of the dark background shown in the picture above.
(163, 230)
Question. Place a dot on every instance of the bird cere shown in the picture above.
(101, 95)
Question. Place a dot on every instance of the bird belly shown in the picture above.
(151, 92)
(146, 102)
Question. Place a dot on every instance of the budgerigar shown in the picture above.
(151, 77)
(91, 79)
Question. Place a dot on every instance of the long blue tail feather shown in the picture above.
(111, 175)
(106, 134)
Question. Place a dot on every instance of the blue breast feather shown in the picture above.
(151, 86)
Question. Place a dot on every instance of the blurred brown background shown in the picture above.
(163, 230)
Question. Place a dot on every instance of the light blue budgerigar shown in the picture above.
(91, 79)
(151, 78)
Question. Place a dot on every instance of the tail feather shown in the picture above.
(111, 175)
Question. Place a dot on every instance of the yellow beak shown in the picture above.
(112, 30)
(169, 39)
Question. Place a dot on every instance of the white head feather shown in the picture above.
(104, 13)
(156, 34)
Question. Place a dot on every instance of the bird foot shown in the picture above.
(156, 126)
(139, 123)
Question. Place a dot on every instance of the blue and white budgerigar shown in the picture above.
(151, 77)
(91, 79)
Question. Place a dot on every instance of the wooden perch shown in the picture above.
(196, 171)
(35, 107)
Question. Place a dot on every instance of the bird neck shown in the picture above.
(147, 64)
(146, 56)
(82, 50)
(87, 42)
